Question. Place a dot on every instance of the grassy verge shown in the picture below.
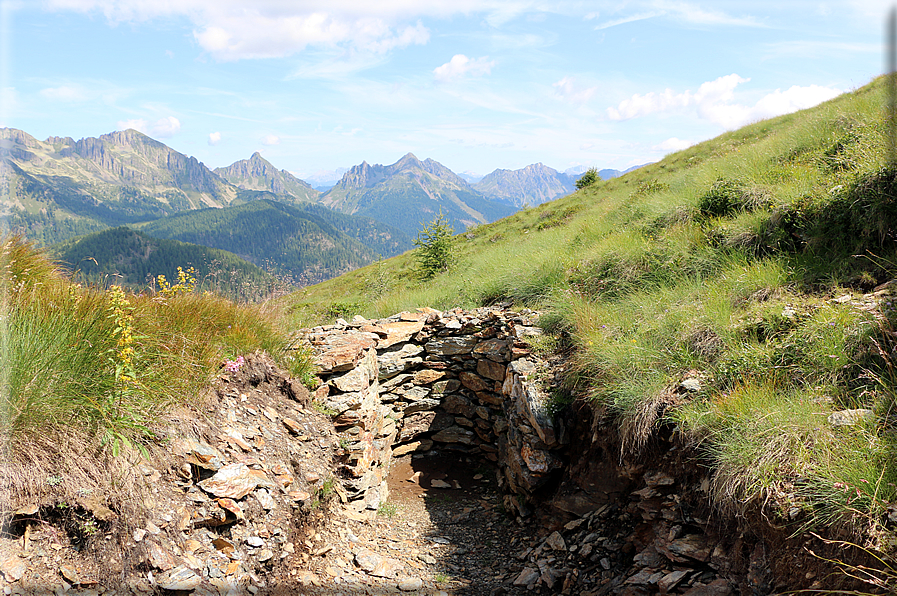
(105, 364)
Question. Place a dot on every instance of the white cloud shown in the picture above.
(160, 129)
(214, 138)
(691, 13)
(232, 30)
(460, 66)
(567, 90)
(795, 98)
(673, 144)
(271, 140)
(64, 93)
(236, 36)
(713, 101)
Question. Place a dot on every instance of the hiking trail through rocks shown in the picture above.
(425, 464)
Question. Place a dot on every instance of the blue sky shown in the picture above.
(473, 84)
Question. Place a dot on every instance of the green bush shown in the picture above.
(588, 179)
(434, 247)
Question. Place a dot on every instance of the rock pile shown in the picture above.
(646, 544)
(462, 380)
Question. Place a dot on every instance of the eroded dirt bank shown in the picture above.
(255, 490)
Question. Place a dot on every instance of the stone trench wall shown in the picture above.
(462, 381)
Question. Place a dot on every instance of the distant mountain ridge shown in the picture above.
(257, 173)
(61, 188)
(410, 193)
(533, 185)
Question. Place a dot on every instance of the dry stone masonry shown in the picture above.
(462, 381)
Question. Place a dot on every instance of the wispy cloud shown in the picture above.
(815, 48)
(567, 90)
(162, 128)
(271, 140)
(714, 101)
(680, 11)
(673, 144)
(66, 93)
(628, 19)
(461, 66)
(692, 13)
(230, 30)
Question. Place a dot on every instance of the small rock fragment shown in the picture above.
(179, 578)
(527, 576)
(556, 541)
(411, 584)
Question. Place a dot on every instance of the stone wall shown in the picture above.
(461, 381)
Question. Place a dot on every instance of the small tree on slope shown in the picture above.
(434, 247)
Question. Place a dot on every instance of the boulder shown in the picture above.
(393, 362)
(474, 382)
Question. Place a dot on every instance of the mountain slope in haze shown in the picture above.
(609, 173)
(62, 187)
(533, 185)
(257, 173)
(127, 257)
(576, 172)
(305, 244)
(410, 193)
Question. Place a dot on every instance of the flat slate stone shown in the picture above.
(451, 346)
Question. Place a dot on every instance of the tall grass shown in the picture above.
(64, 357)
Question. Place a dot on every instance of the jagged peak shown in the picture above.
(19, 136)
(409, 159)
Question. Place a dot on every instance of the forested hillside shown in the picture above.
(130, 258)
(304, 244)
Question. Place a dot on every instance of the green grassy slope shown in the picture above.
(740, 265)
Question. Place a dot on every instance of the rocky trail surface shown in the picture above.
(425, 464)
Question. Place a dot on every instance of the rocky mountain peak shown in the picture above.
(408, 161)
(257, 173)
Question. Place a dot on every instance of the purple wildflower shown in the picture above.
(234, 365)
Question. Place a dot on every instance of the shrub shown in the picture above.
(588, 179)
(434, 247)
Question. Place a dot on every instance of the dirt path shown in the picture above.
(429, 539)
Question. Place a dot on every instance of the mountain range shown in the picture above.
(411, 193)
(60, 188)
